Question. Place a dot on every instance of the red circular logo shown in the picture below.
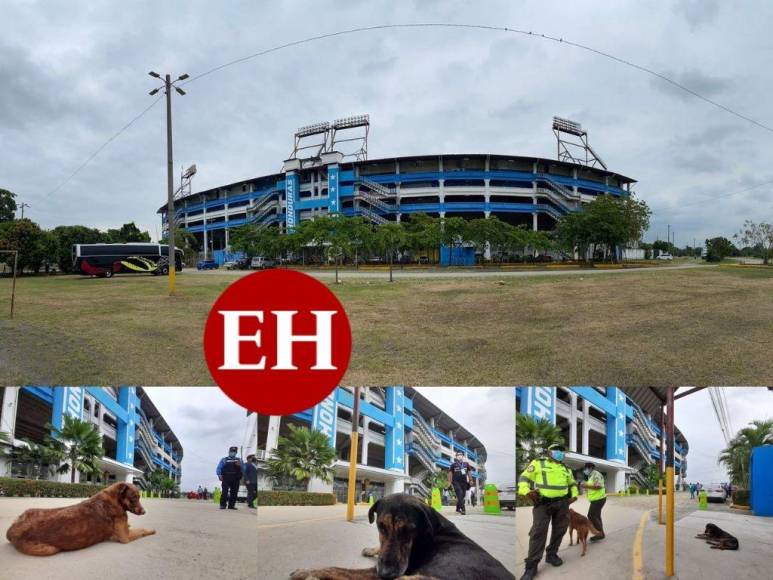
(277, 342)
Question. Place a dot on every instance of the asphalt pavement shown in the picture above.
(319, 536)
(194, 540)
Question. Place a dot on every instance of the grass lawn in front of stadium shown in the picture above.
(705, 325)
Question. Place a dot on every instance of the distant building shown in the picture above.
(403, 438)
(616, 428)
(135, 436)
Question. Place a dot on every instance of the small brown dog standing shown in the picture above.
(44, 532)
(583, 526)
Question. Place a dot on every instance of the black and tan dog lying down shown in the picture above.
(416, 542)
(718, 538)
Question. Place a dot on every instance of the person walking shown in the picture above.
(459, 477)
(206, 494)
(692, 491)
(200, 493)
(251, 480)
(229, 472)
(551, 487)
(597, 496)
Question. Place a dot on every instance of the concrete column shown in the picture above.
(573, 422)
(226, 240)
(394, 486)
(8, 406)
(534, 222)
(585, 426)
(206, 243)
(365, 439)
(272, 437)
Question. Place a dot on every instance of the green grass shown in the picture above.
(702, 326)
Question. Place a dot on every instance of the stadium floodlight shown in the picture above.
(313, 129)
(190, 172)
(154, 75)
(353, 121)
(567, 126)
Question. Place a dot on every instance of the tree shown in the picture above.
(717, 249)
(187, 242)
(255, 240)
(128, 233)
(389, 239)
(606, 223)
(7, 205)
(38, 461)
(26, 237)
(760, 236)
(424, 232)
(532, 439)
(82, 445)
(303, 455)
(737, 455)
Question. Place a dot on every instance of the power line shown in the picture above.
(723, 195)
(360, 29)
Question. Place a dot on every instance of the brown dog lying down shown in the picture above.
(583, 526)
(43, 532)
(417, 542)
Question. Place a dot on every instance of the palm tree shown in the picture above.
(37, 460)
(532, 439)
(82, 445)
(737, 455)
(303, 455)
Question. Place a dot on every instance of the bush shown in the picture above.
(741, 497)
(12, 487)
(267, 498)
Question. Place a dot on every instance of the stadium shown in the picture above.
(617, 429)
(329, 171)
(135, 436)
(404, 440)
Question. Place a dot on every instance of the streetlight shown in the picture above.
(168, 84)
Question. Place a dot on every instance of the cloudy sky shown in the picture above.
(695, 417)
(207, 423)
(73, 73)
(489, 414)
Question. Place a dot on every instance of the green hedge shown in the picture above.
(12, 487)
(295, 498)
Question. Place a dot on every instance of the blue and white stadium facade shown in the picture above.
(135, 436)
(403, 438)
(617, 429)
(530, 191)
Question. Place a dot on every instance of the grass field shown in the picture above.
(708, 325)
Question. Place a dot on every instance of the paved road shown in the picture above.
(632, 521)
(419, 274)
(318, 536)
(194, 540)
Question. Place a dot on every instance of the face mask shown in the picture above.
(231, 454)
(586, 471)
(557, 455)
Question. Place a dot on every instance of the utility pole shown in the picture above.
(668, 235)
(170, 217)
(21, 207)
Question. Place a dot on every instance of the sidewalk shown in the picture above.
(625, 518)
(194, 540)
(319, 536)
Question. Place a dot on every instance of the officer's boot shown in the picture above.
(553, 559)
(530, 573)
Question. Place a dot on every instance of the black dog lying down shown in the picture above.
(718, 538)
(416, 541)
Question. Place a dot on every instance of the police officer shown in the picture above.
(229, 471)
(597, 496)
(550, 486)
(251, 480)
(460, 478)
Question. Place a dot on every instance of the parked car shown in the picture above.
(229, 265)
(208, 264)
(715, 492)
(506, 497)
(665, 256)
(261, 263)
(243, 264)
(423, 260)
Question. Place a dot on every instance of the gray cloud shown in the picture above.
(697, 13)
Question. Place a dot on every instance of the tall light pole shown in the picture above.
(170, 217)
(21, 207)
